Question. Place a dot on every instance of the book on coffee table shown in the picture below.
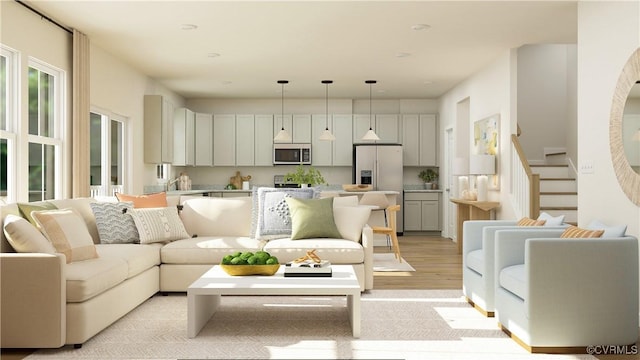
(308, 269)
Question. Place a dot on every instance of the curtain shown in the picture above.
(80, 116)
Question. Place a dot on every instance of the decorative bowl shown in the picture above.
(357, 187)
(243, 270)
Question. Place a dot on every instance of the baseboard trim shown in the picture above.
(545, 349)
(481, 310)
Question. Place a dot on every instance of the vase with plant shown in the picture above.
(305, 177)
(429, 177)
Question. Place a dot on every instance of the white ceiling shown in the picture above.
(260, 42)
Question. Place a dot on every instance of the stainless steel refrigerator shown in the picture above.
(381, 166)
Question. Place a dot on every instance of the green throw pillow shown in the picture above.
(27, 208)
(312, 218)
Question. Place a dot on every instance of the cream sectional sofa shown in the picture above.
(47, 303)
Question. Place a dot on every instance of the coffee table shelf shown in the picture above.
(203, 296)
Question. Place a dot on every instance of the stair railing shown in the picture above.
(525, 185)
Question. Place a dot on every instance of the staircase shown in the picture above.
(558, 191)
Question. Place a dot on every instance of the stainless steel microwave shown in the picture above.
(291, 154)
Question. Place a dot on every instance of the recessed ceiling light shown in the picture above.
(188, 27)
(213, 55)
(402, 54)
(420, 27)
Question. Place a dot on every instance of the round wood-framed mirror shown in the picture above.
(629, 179)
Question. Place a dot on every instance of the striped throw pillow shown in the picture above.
(525, 221)
(576, 232)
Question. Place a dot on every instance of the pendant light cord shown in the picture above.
(370, 113)
(327, 106)
(282, 108)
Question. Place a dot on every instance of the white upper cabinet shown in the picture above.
(279, 122)
(158, 130)
(343, 145)
(321, 150)
(386, 126)
(263, 140)
(302, 129)
(419, 140)
(245, 144)
(183, 137)
(224, 140)
(203, 139)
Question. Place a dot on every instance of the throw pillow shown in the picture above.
(345, 201)
(609, 231)
(114, 222)
(350, 220)
(525, 221)
(312, 218)
(27, 208)
(158, 224)
(273, 217)
(24, 237)
(156, 200)
(68, 233)
(576, 232)
(551, 220)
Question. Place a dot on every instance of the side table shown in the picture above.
(472, 210)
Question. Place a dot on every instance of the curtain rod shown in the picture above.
(45, 16)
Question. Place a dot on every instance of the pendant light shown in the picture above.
(326, 134)
(283, 135)
(370, 135)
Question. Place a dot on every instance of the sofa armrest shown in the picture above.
(472, 233)
(32, 300)
(568, 278)
(367, 245)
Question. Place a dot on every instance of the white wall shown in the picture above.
(108, 77)
(608, 33)
(543, 92)
(490, 92)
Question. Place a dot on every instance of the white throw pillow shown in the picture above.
(158, 224)
(551, 220)
(68, 233)
(24, 237)
(350, 220)
(609, 231)
(345, 201)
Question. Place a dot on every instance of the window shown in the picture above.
(45, 131)
(8, 124)
(107, 154)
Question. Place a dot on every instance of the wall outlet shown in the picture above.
(586, 167)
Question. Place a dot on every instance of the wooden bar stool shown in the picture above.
(390, 230)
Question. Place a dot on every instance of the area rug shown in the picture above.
(388, 262)
(396, 324)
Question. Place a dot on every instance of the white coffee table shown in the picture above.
(204, 294)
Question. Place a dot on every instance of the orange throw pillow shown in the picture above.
(525, 221)
(145, 201)
(576, 232)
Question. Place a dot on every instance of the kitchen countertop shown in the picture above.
(194, 192)
(343, 192)
(423, 191)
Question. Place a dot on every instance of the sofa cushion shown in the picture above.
(82, 207)
(551, 220)
(475, 261)
(525, 221)
(115, 224)
(145, 201)
(312, 218)
(139, 257)
(576, 232)
(350, 220)
(68, 233)
(337, 251)
(513, 278)
(158, 224)
(609, 231)
(24, 237)
(27, 208)
(273, 217)
(86, 279)
(209, 216)
(206, 250)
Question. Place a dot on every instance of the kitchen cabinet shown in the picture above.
(263, 147)
(203, 139)
(422, 211)
(279, 122)
(244, 142)
(332, 153)
(183, 137)
(298, 126)
(224, 140)
(420, 140)
(158, 130)
(386, 126)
